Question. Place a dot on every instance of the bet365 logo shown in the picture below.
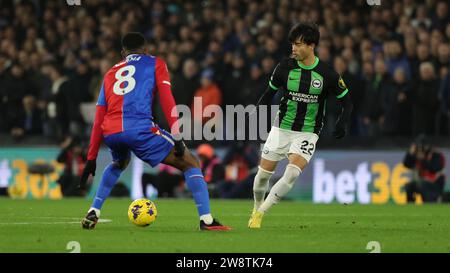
(373, 2)
(73, 2)
(371, 183)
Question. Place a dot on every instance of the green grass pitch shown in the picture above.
(48, 226)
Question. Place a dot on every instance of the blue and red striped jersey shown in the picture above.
(128, 92)
(127, 95)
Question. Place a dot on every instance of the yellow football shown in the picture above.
(142, 212)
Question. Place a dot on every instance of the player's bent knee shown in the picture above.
(191, 161)
(186, 164)
(267, 165)
(298, 161)
(264, 172)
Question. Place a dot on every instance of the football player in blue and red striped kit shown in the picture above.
(123, 120)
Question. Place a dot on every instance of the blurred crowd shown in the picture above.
(394, 57)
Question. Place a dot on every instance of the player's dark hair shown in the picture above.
(307, 32)
(133, 41)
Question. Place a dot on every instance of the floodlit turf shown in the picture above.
(48, 226)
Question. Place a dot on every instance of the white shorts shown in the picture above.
(280, 143)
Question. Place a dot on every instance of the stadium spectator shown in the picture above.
(440, 18)
(73, 155)
(187, 83)
(237, 75)
(241, 161)
(184, 87)
(212, 167)
(426, 104)
(57, 120)
(252, 86)
(395, 58)
(398, 106)
(4, 65)
(32, 121)
(14, 87)
(444, 93)
(374, 105)
(427, 164)
(210, 163)
(78, 92)
(443, 59)
(209, 94)
(421, 18)
(411, 51)
(324, 54)
(423, 55)
(357, 86)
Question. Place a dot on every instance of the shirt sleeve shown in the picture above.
(276, 80)
(166, 99)
(97, 132)
(338, 87)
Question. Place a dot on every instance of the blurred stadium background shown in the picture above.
(394, 57)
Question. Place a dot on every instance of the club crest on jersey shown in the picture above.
(156, 131)
(316, 83)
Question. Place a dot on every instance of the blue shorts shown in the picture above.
(151, 146)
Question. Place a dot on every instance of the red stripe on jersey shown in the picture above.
(113, 122)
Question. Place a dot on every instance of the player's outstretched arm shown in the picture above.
(94, 145)
(344, 118)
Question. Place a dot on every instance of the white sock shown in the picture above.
(282, 187)
(207, 218)
(260, 186)
(97, 211)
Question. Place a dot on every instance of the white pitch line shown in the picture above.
(327, 215)
(53, 223)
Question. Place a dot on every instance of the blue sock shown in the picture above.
(197, 185)
(110, 176)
